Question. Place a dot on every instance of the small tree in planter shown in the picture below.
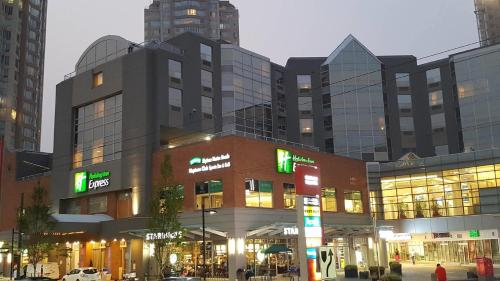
(435, 209)
(402, 211)
(419, 212)
(376, 272)
(351, 271)
(396, 268)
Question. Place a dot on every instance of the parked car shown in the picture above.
(83, 274)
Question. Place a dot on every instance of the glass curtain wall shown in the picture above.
(478, 91)
(357, 102)
(246, 92)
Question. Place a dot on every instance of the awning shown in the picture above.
(277, 248)
(81, 218)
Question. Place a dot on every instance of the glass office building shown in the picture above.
(357, 102)
(246, 92)
(478, 92)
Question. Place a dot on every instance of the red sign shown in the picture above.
(307, 180)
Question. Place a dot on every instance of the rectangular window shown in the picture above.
(206, 55)
(289, 195)
(305, 105)
(433, 77)
(404, 103)
(403, 82)
(304, 84)
(435, 98)
(98, 132)
(306, 126)
(353, 202)
(207, 107)
(98, 79)
(73, 207)
(175, 71)
(438, 121)
(209, 193)
(98, 204)
(175, 99)
(406, 124)
(206, 81)
(258, 193)
(329, 199)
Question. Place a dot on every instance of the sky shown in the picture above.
(277, 29)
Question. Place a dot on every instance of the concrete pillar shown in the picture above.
(236, 253)
(351, 253)
(382, 250)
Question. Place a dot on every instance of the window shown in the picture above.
(438, 121)
(186, 21)
(28, 133)
(98, 132)
(304, 83)
(433, 77)
(353, 202)
(206, 107)
(258, 193)
(206, 54)
(98, 204)
(306, 126)
(97, 79)
(28, 145)
(175, 71)
(435, 98)
(209, 193)
(206, 80)
(406, 124)
(328, 199)
(289, 195)
(404, 103)
(305, 105)
(191, 12)
(403, 82)
(175, 99)
(73, 207)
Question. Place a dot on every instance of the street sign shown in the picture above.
(327, 262)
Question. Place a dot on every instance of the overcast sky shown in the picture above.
(278, 29)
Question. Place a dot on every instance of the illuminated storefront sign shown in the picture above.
(311, 180)
(202, 164)
(85, 181)
(162, 235)
(286, 161)
(474, 233)
(290, 231)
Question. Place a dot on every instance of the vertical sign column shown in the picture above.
(308, 205)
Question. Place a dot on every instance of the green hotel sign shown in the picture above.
(85, 181)
(195, 161)
(474, 233)
(286, 161)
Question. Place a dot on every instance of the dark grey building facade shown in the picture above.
(22, 52)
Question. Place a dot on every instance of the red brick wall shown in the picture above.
(11, 190)
(256, 159)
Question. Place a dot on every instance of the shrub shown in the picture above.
(391, 277)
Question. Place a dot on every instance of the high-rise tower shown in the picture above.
(488, 21)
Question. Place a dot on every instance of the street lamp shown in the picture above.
(211, 212)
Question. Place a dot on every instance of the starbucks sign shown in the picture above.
(85, 181)
(286, 161)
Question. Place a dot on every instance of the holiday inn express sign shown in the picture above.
(286, 161)
(85, 181)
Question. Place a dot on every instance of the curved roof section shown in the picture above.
(104, 49)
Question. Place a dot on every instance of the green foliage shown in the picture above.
(35, 223)
(351, 267)
(391, 277)
(165, 206)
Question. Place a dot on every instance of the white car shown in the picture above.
(83, 274)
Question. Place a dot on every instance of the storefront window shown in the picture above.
(289, 195)
(258, 193)
(208, 193)
(453, 192)
(328, 199)
(353, 202)
(98, 204)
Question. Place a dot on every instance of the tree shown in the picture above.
(35, 223)
(164, 222)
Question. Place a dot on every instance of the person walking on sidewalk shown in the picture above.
(440, 273)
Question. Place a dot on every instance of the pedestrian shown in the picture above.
(413, 258)
(440, 273)
(397, 257)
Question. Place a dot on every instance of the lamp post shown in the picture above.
(211, 212)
